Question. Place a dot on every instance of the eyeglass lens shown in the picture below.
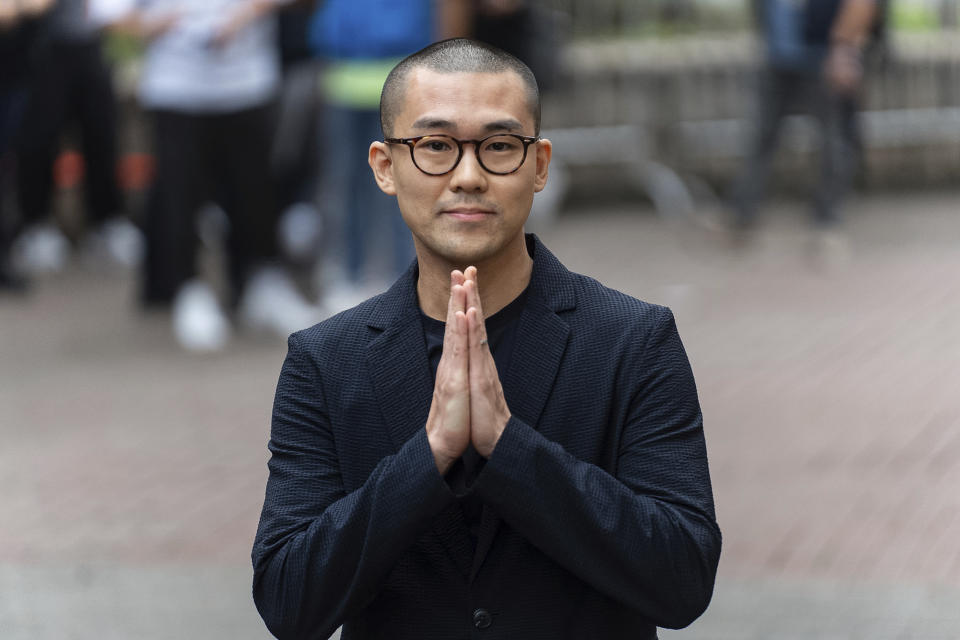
(497, 154)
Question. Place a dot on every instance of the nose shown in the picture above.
(468, 176)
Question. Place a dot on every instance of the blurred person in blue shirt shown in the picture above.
(359, 41)
(813, 63)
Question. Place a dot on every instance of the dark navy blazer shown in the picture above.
(598, 518)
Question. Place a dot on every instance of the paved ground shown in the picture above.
(132, 473)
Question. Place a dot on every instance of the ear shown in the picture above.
(381, 162)
(544, 153)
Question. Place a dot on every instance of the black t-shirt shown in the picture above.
(501, 336)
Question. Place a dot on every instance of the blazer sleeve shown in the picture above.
(644, 535)
(321, 553)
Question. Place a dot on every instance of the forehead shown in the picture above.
(466, 100)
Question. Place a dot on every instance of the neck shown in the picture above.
(500, 279)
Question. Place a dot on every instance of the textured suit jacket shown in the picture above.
(598, 518)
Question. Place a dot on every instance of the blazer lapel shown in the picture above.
(540, 344)
(398, 367)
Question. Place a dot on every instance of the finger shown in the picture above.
(457, 279)
(473, 340)
(455, 306)
(461, 350)
(459, 338)
(452, 304)
(462, 330)
(477, 332)
(460, 298)
(472, 275)
(473, 297)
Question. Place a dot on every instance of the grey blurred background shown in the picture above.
(132, 469)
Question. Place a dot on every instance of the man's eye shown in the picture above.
(437, 145)
(500, 146)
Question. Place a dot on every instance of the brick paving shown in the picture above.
(133, 473)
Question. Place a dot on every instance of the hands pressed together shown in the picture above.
(468, 403)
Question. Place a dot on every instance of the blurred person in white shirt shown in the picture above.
(210, 73)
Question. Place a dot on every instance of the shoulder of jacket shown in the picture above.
(601, 303)
(344, 328)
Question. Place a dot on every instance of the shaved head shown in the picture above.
(457, 55)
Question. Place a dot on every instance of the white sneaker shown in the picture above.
(213, 225)
(300, 232)
(198, 321)
(124, 241)
(271, 302)
(831, 250)
(118, 241)
(40, 249)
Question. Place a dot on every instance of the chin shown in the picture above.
(461, 249)
(464, 254)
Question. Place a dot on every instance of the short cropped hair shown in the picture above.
(456, 55)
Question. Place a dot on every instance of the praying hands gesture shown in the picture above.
(468, 403)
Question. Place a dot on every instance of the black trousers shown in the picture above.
(223, 158)
(70, 85)
(12, 100)
(783, 93)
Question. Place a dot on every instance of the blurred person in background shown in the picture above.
(813, 63)
(210, 74)
(359, 41)
(70, 85)
(295, 151)
(19, 20)
(523, 28)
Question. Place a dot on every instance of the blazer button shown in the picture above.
(482, 619)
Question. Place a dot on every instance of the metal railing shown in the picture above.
(637, 18)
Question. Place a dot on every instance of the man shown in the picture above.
(550, 480)
(813, 63)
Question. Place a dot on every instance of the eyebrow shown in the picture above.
(508, 124)
(433, 123)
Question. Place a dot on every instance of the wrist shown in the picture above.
(443, 463)
(486, 449)
(443, 460)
